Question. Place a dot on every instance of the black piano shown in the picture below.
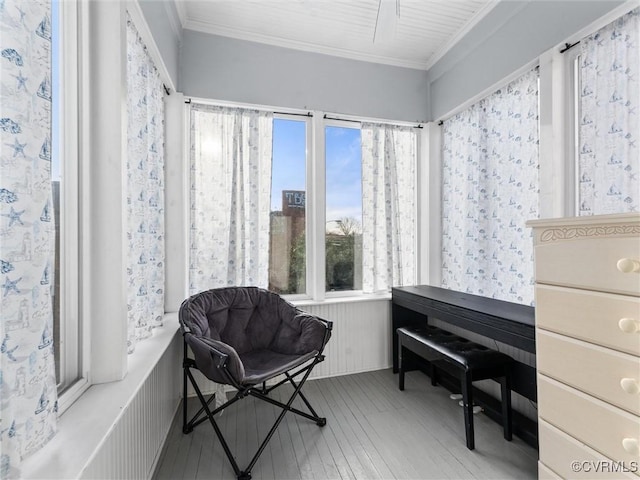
(510, 323)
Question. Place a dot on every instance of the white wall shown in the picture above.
(164, 23)
(221, 68)
(512, 35)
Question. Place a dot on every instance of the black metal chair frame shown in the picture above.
(260, 391)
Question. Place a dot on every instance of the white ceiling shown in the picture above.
(424, 31)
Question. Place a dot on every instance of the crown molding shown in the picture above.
(205, 27)
(182, 11)
(174, 19)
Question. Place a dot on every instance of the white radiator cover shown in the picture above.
(133, 446)
(360, 340)
(361, 337)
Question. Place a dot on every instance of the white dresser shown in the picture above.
(588, 346)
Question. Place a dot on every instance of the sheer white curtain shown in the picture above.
(609, 130)
(231, 150)
(28, 391)
(388, 206)
(145, 191)
(489, 190)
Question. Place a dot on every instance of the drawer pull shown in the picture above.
(629, 325)
(631, 446)
(630, 385)
(628, 265)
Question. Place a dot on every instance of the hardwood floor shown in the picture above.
(373, 431)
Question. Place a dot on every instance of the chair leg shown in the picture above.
(185, 423)
(433, 373)
(505, 384)
(258, 393)
(467, 402)
(286, 408)
(319, 420)
(214, 424)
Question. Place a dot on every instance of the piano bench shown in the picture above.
(469, 360)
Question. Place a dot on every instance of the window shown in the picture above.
(287, 252)
(343, 208)
(64, 178)
(318, 242)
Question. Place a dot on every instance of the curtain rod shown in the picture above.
(569, 46)
(327, 117)
(308, 114)
(250, 107)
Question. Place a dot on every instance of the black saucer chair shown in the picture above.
(244, 337)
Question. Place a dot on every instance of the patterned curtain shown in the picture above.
(489, 190)
(28, 392)
(145, 191)
(609, 131)
(388, 206)
(231, 151)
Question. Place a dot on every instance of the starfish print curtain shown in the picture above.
(28, 392)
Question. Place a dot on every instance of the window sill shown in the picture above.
(85, 425)
(342, 299)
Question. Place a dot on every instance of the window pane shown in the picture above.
(64, 186)
(343, 230)
(287, 253)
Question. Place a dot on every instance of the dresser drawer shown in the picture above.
(545, 473)
(590, 316)
(598, 424)
(559, 451)
(592, 369)
(589, 263)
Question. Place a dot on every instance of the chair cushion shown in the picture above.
(261, 365)
(248, 322)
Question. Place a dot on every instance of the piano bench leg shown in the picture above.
(467, 406)
(505, 385)
(433, 373)
(400, 369)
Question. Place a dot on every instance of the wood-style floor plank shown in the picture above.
(374, 431)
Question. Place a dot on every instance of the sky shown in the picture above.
(343, 167)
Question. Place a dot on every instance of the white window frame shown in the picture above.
(74, 377)
(315, 188)
(572, 127)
